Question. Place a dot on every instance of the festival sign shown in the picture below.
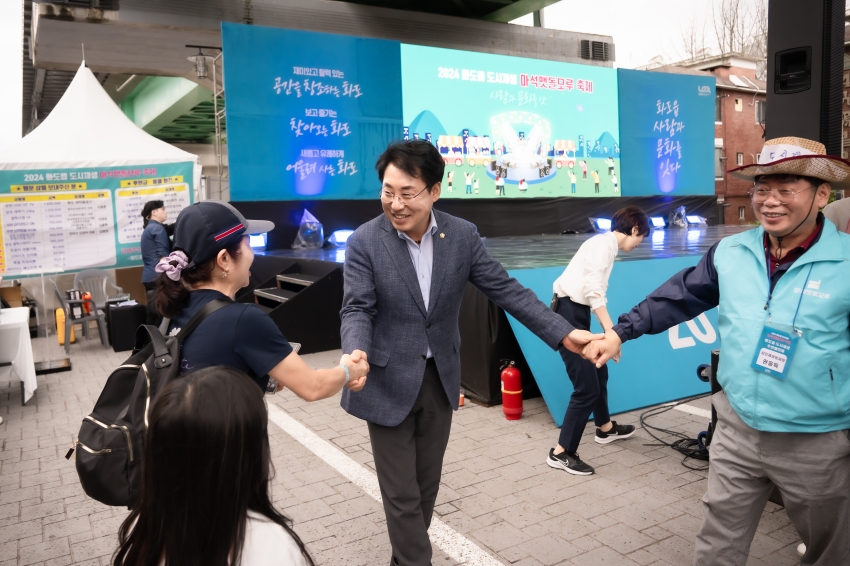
(74, 219)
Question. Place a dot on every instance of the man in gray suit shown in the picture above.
(405, 273)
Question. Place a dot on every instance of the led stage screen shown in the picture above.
(667, 128)
(308, 114)
(513, 127)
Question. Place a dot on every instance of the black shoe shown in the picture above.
(569, 463)
(617, 432)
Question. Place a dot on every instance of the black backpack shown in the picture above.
(111, 442)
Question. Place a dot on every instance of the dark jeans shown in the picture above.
(153, 317)
(590, 385)
(409, 463)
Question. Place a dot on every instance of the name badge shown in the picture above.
(775, 349)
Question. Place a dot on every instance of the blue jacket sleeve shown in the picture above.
(682, 297)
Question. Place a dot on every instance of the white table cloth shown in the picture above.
(16, 347)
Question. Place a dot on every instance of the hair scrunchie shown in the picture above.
(172, 265)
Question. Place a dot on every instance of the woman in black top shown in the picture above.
(212, 260)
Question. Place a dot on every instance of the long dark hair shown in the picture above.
(207, 462)
(171, 296)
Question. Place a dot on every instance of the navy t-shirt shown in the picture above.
(240, 336)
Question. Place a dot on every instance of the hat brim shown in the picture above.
(833, 170)
(258, 227)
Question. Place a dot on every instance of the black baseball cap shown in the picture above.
(207, 227)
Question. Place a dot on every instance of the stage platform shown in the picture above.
(654, 369)
(533, 252)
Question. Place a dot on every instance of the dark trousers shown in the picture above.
(409, 462)
(590, 385)
(152, 315)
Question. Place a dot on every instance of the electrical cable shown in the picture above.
(685, 445)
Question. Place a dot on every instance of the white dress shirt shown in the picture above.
(585, 280)
(422, 255)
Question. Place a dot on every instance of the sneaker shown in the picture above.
(617, 432)
(569, 463)
(801, 549)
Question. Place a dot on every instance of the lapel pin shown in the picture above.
(442, 235)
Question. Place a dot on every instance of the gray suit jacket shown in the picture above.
(384, 315)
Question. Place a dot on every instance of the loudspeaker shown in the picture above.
(805, 61)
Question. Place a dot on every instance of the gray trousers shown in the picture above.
(812, 471)
(409, 463)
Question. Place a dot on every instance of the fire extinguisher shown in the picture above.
(87, 304)
(511, 391)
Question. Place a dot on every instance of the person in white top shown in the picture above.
(204, 496)
(578, 291)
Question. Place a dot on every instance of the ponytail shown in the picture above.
(172, 295)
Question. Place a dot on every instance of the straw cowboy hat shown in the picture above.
(797, 156)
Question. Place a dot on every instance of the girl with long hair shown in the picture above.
(204, 498)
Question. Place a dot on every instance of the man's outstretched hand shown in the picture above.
(600, 351)
(576, 340)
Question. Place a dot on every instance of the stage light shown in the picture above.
(339, 237)
(601, 224)
(258, 241)
(657, 221)
(694, 219)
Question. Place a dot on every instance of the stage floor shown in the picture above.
(532, 252)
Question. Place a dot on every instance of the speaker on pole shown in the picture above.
(805, 62)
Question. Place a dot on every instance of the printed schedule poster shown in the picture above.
(511, 126)
(74, 219)
(308, 113)
(667, 127)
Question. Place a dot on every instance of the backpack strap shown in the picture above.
(162, 356)
(160, 350)
(199, 317)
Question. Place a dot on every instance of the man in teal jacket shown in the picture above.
(784, 320)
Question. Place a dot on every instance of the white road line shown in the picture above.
(457, 546)
(693, 410)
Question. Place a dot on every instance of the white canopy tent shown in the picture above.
(87, 129)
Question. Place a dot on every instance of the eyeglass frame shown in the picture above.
(775, 193)
(402, 198)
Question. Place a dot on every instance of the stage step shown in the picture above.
(272, 297)
(302, 279)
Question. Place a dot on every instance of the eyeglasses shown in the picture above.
(388, 197)
(760, 194)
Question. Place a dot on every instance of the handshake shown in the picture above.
(357, 368)
(595, 348)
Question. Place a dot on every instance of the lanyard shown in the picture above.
(799, 302)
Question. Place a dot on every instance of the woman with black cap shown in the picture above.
(212, 260)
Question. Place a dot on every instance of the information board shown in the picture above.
(76, 219)
(667, 128)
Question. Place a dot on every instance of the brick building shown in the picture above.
(738, 125)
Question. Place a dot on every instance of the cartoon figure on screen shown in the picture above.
(584, 169)
(616, 184)
(595, 180)
(468, 177)
(475, 186)
(523, 186)
(500, 185)
(610, 161)
(572, 181)
(451, 178)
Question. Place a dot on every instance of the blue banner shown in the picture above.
(308, 113)
(667, 133)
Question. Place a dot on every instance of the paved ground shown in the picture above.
(642, 507)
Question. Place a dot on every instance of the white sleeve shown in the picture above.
(597, 262)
